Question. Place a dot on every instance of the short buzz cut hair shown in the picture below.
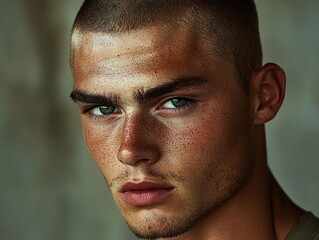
(231, 26)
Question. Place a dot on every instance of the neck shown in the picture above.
(260, 210)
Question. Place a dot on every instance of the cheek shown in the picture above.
(211, 156)
(100, 146)
(215, 140)
(195, 136)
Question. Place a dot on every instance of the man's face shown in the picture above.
(166, 123)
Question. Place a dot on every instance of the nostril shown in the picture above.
(138, 153)
(137, 141)
(125, 155)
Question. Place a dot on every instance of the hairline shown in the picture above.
(201, 21)
(209, 39)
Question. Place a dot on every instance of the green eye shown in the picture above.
(175, 103)
(104, 110)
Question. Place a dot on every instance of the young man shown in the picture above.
(173, 99)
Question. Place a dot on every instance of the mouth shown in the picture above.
(145, 193)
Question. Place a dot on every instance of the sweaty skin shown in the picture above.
(160, 110)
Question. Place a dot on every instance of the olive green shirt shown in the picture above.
(306, 228)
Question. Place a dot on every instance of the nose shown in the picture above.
(137, 141)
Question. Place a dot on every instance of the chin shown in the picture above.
(156, 225)
(156, 232)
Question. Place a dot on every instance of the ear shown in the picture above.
(267, 91)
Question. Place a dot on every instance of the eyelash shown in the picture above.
(88, 111)
(177, 109)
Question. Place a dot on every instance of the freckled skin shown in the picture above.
(203, 150)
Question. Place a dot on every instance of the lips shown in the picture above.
(145, 193)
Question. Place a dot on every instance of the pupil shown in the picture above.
(106, 110)
(178, 102)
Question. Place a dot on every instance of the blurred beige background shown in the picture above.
(49, 186)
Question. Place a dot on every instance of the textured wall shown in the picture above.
(290, 36)
(50, 188)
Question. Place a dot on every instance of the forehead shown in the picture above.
(158, 50)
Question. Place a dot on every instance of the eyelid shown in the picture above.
(88, 111)
(189, 103)
(88, 107)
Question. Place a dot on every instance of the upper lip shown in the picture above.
(143, 185)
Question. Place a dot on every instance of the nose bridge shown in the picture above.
(137, 140)
(133, 129)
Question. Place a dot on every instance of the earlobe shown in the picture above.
(267, 91)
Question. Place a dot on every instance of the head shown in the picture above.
(170, 93)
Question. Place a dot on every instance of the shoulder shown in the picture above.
(306, 228)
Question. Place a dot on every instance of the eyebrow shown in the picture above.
(180, 83)
(89, 98)
(141, 96)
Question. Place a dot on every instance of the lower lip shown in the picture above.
(146, 197)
